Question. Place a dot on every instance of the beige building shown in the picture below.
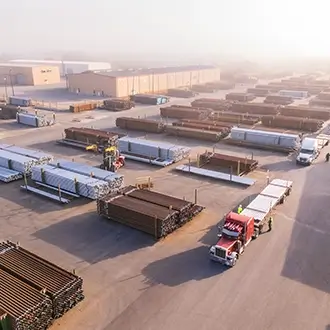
(19, 74)
(127, 82)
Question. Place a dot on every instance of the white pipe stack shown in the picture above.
(152, 149)
(72, 182)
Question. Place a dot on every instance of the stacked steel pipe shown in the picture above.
(324, 96)
(260, 92)
(24, 307)
(150, 99)
(303, 124)
(34, 275)
(241, 97)
(305, 112)
(203, 88)
(151, 212)
(114, 180)
(208, 123)
(198, 134)
(214, 104)
(83, 107)
(255, 108)
(180, 92)
(90, 136)
(278, 99)
(181, 112)
(221, 85)
(139, 124)
(7, 175)
(152, 150)
(236, 118)
(244, 165)
(204, 125)
(8, 111)
(74, 183)
(18, 163)
(270, 88)
(318, 102)
(117, 104)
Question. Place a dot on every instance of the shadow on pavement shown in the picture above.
(284, 165)
(93, 239)
(191, 265)
(308, 257)
(12, 193)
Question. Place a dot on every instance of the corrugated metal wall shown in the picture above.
(89, 82)
(86, 83)
(153, 83)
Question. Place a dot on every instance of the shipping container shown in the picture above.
(20, 101)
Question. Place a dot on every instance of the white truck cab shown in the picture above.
(308, 152)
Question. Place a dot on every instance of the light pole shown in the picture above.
(11, 83)
(6, 92)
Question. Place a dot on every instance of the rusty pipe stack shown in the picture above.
(236, 118)
(82, 107)
(203, 88)
(278, 99)
(183, 112)
(90, 135)
(302, 124)
(221, 85)
(148, 211)
(8, 111)
(204, 125)
(319, 103)
(243, 165)
(255, 108)
(240, 97)
(63, 289)
(23, 307)
(140, 124)
(196, 133)
(214, 104)
(117, 104)
(304, 112)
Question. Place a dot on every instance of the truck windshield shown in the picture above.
(229, 234)
(306, 151)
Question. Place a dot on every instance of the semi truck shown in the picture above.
(239, 230)
(310, 149)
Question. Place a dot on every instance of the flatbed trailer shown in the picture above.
(239, 229)
(261, 207)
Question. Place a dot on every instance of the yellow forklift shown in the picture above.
(112, 159)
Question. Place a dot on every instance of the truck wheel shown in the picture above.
(256, 234)
(234, 262)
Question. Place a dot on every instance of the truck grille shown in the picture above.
(220, 253)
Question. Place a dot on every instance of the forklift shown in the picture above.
(112, 159)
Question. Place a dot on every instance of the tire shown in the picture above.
(234, 262)
(256, 234)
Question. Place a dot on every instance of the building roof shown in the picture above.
(21, 65)
(56, 62)
(140, 72)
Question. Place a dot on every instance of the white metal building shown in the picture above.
(67, 67)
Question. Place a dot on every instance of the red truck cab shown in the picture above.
(237, 232)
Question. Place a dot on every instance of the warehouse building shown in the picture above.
(123, 83)
(30, 75)
(67, 67)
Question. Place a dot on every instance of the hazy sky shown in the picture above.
(263, 27)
